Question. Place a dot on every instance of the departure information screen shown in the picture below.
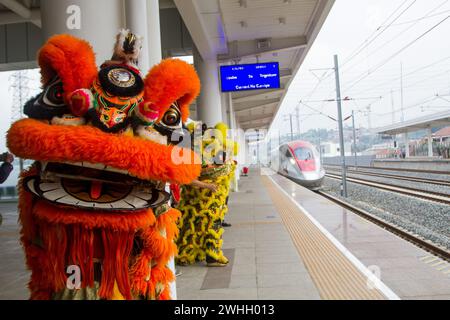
(250, 76)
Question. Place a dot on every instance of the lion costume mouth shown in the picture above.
(93, 186)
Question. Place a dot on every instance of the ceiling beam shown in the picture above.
(33, 16)
(264, 126)
(9, 17)
(166, 4)
(255, 118)
(266, 94)
(195, 23)
(249, 48)
(243, 108)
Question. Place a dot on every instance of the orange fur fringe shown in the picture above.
(72, 59)
(172, 80)
(32, 139)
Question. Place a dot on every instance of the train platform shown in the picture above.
(285, 242)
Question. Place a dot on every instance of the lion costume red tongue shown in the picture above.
(120, 253)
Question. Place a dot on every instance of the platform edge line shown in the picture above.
(380, 285)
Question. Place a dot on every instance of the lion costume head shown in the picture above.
(97, 196)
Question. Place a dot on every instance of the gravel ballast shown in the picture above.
(427, 219)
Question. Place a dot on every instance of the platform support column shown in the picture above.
(430, 142)
(209, 103)
(136, 21)
(154, 33)
(95, 21)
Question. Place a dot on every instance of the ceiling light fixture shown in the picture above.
(282, 20)
(286, 1)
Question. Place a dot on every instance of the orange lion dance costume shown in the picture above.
(97, 199)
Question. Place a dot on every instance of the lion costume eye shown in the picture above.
(171, 117)
(54, 94)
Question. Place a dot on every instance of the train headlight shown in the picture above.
(292, 160)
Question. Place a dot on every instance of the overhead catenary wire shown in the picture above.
(366, 74)
(421, 18)
(357, 50)
(408, 74)
(414, 105)
(383, 46)
(367, 42)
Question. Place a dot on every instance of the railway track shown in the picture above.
(399, 177)
(392, 169)
(403, 233)
(418, 193)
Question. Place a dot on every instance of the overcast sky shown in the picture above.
(382, 29)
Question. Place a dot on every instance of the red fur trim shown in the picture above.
(92, 219)
(161, 274)
(139, 272)
(165, 295)
(71, 58)
(32, 139)
(118, 247)
(172, 80)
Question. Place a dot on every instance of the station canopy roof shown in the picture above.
(255, 31)
(429, 121)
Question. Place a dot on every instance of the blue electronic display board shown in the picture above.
(250, 76)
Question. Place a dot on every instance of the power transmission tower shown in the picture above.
(19, 84)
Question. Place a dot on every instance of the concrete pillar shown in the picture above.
(136, 21)
(95, 21)
(406, 145)
(209, 108)
(225, 103)
(430, 142)
(153, 33)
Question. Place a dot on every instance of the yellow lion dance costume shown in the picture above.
(96, 199)
(203, 210)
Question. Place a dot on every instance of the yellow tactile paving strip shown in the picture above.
(335, 277)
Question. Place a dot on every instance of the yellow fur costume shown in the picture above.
(203, 210)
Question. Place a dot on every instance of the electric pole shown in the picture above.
(392, 107)
(290, 121)
(354, 138)
(292, 131)
(341, 129)
(297, 114)
(401, 91)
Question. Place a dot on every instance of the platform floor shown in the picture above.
(266, 260)
(13, 275)
(407, 270)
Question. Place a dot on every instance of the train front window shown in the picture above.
(302, 153)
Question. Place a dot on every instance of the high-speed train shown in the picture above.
(299, 161)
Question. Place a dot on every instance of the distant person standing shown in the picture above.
(6, 167)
